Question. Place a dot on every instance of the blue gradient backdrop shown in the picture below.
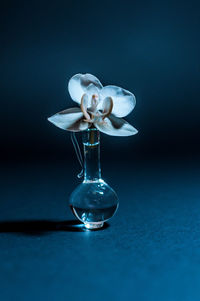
(149, 47)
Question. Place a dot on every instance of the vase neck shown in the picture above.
(91, 146)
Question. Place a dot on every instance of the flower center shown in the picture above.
(94, 102)
(92, 114)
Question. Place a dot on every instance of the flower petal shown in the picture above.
(115, 126)
(123, 100)
(79, 84)
(70, 120)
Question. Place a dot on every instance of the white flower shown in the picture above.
(100, 106)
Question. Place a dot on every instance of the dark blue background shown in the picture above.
(150, 249)
(148, 47)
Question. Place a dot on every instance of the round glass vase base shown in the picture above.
(93, 226)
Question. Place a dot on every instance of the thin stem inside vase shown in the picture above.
(91, 144)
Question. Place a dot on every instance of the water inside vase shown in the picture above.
(93, 202)
(94, 215)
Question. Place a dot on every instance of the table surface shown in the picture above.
(150, 250)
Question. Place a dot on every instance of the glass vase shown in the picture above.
(93, 201)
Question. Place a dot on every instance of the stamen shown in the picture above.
(84, 107)
(94, 102)
(108, 107)
(95, 96)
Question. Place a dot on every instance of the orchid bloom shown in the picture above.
(100, 106)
